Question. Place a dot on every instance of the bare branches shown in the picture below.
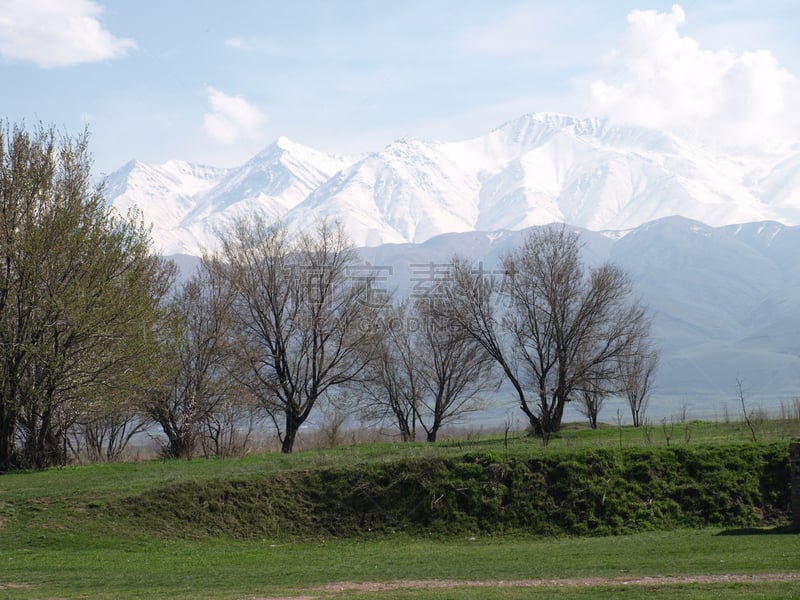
(302, 323)
(392, 386)
(426, 372)
(196, 397)
(637, 372)
(561, 332)
(746, 415)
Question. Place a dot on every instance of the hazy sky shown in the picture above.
(214, 82)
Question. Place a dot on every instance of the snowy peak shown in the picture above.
(273, 181)
(292, 154)
(534, 131)
(409, 191)
(163, 193)
(537, 169)
(190, 205)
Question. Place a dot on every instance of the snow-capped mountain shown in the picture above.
(534, 170)
(163, 193)
(188, 204)
(711, 241)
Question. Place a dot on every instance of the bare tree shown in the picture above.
(391, 388)
(455, 371)
(746, 415)
(553, 328)
(228, 429)
(104, 434)
(303, 323)
(600, 384)
(590, 402)
(426, 373)
(637, 372)
(197, 398)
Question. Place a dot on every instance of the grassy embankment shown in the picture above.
(273, 525)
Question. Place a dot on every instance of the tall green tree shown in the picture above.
(80, 295)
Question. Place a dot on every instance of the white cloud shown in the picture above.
(666, 80)
(235, 42)
(56, 33)
(232, 118)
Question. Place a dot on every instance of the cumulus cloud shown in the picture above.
(56, 33)
(232, 118)
(667, 80)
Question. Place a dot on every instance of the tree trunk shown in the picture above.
(293, 423)
(535, 423)
(552, 415)
(6, 437)
(8, 422)
(407, 431)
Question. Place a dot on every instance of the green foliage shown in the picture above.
(588, 492)
(79, 295)
(280, 525)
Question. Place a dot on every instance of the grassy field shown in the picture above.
(91, 565)
(57, 541)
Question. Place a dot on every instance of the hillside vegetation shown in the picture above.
(465, 509)
(598, 491)
(604, 481)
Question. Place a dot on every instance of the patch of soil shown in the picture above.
(13, 586)
(431, 584)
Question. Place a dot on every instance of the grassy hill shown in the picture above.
(76, 531)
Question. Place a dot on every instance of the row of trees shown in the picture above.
(291, 326)
(98, 343)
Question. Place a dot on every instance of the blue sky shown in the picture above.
(214, 82)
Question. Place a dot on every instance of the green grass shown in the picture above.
(58, 537)
(691, 591)
(119, 479)
(87, 566)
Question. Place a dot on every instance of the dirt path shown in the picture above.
(430, 584)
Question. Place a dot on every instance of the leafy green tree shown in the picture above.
(80, 292)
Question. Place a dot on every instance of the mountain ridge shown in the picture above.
(537, 169)
(724, 301)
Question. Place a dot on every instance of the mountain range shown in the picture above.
(725, 302)
(710, 240)
(538, 169)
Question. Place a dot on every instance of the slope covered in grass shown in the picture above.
(276, 525)
(597, 491)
